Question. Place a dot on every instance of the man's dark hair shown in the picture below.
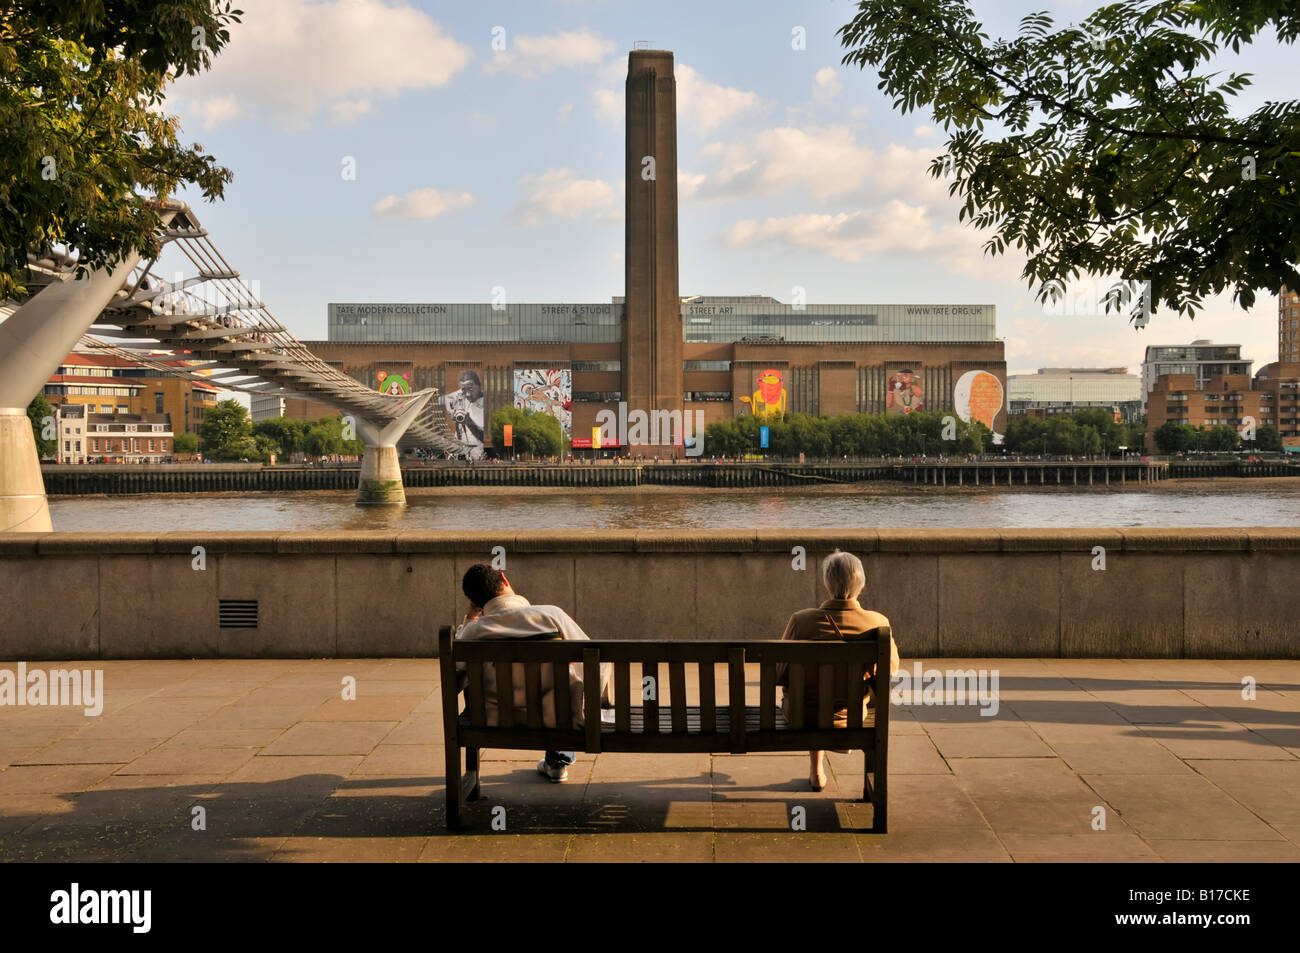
(482, 583)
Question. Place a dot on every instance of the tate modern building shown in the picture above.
(654, 349)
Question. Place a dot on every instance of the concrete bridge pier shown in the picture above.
(33, 340)
(381, 473)
(23, 508)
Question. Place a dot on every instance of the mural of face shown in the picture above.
(471, 386)
(904, 394)
(394, 383)
(770, 385)
(985, 398)
(977, 397)
(769, 397)
(546, 390)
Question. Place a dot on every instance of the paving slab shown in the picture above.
(936, 846)
(654, 848)
(350, 850)
(1179, 807)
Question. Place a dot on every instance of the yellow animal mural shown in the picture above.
(769, 396)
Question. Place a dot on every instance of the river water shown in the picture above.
(1186, 503)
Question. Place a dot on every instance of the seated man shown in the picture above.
(498, 612)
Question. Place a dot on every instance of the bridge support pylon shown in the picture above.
(381, 473)
(33, 341)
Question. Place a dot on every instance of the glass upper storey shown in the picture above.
(704, 319)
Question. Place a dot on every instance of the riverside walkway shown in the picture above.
(1169, 754)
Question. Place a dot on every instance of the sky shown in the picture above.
(433, 151)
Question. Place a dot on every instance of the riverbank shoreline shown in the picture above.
(866, 488)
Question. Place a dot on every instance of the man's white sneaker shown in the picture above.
(555, 774)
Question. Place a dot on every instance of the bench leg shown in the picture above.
(453, 787)
(472, 772)
(873, 790)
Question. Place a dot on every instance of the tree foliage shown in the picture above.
(1106, 148)
(285, 435)
(37, 412)
(854, 435)
(535, 433)
(1081, 433)
(86, 150)
(1172, 438)
(227, 433)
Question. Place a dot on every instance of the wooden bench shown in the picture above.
(653, 726)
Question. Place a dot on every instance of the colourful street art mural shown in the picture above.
(903, 393)
(769, 398)
(394, 383)
(978, 397)
(549, 391)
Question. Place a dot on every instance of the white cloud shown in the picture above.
(556, 194)
(701, 105)
(348, 111)
(895, 229)
(531, 56)
(609, 104)
(565, 111)
(826, 84)
(292, 59)
(688, 183)
(421, 203)
(828, 162)
(219, 109)
(705, 105)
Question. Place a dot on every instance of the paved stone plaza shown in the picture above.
(285, 769)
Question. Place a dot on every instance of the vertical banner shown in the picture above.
(595, 438)
(763, 433)
(508, 435)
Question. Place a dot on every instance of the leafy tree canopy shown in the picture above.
(38, 411)
(86, 150)
(534, 433)
(1106, 148)
(226, 432)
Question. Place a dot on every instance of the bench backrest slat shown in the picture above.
(795, 690)
(650, 697)
(677, 694)
(857, 691)
(505, 690)
(622, 695)
(736, 698)
(477, 699)
(767, 698)
(825, 696)
(563, 700)
(708, 695)
(533, 695)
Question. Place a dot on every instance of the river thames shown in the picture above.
(1186, 503)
